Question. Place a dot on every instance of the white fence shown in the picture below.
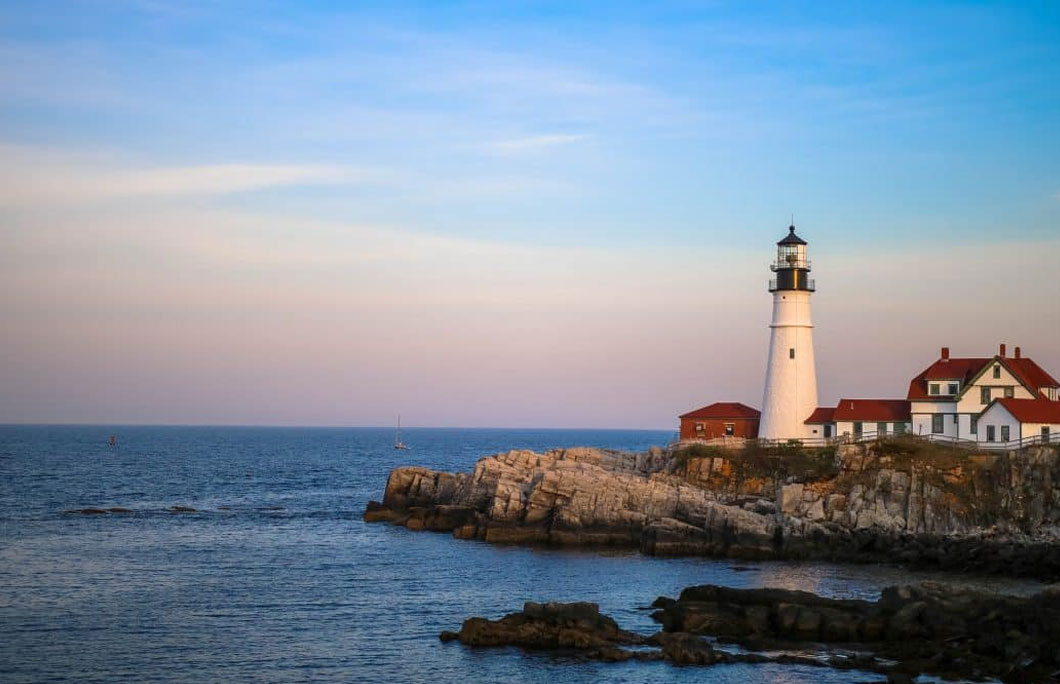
(968, 444)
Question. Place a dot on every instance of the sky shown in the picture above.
(528, 214)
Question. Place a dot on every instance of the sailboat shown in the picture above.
(398, 444)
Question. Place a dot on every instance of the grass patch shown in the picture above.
(754, 461)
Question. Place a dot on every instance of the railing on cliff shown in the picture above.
(820, 442)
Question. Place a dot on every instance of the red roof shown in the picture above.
(1032, 410)
(821, 415)
(724, 409)
(1030, 373)
(882, 410)
(962, 370)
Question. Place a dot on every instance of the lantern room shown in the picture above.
(792, 266)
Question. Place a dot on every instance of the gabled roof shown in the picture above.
(724, 409)
(955, 369)
(822, 414)
(962, 370)
(1039, 410)
(1029, 373)
(881, 410)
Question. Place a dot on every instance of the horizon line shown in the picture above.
(325, 426)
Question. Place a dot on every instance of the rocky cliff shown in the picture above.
(901, 500)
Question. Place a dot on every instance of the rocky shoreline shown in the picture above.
(896, 501)
(911, 630)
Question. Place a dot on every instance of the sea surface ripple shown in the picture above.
(276, 578)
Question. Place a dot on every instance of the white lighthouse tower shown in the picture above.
(791, 375)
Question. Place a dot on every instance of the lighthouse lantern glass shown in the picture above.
(791, 256)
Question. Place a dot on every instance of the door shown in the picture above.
(1045, 434)
(828, 432)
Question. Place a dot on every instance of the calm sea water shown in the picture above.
(277, 578)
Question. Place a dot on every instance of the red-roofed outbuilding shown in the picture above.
(720, 419)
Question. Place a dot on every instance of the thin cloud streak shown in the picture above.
(30, 179)
(535, 143)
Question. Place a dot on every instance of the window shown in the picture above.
(936, 423)
(730, 429)
(990, 433)
(953, 388)
(1004, 433)
(974, 420)
(984, 395)
(881, 429)
(899, 428)
(956, 418)
(933, 389)
(699, 427)
(791, 353)
(1010, 392)
(997, 372)
(1045, 433)
(858, 429)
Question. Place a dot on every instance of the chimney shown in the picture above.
(1017, 352)
(1002, 352)
(945, 352)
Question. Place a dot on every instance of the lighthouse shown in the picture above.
(791, 376)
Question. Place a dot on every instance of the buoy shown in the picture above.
(112, 440)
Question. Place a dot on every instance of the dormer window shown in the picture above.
(953, 388)
(933, 389)
(997, 372)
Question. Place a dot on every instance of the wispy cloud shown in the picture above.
(535, 143)
(32, 177)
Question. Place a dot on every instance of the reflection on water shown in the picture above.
(289, 584)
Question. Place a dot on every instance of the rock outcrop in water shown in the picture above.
(924, 629)
(910, 630)
(552, 626)
(901, 500)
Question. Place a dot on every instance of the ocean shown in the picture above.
(275, 577)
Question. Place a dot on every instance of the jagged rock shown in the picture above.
(897, 501)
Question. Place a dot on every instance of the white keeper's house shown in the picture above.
(994, 401)
(970, 398)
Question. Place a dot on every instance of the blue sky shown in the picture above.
(564, 172)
